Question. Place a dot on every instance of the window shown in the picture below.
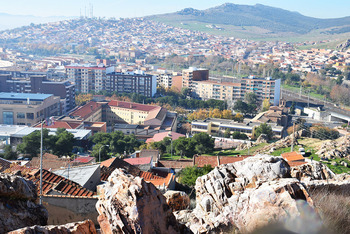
(21, 115)
(30, 115)
(7, 117)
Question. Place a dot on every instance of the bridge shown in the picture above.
(336, 113)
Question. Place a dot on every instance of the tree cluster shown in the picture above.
(59, 144)
(189, 175)
(113, 143)
(200, 143)
(264, 128)
(214, 113)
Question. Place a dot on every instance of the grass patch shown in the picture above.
(168, 156)
(296, 89)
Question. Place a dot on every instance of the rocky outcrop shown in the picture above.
(344, 46)
(245, 195)
(18, 206)
(339, 148)
(86, 227)
(313, 170)
(262, 139)
(177, 200)
(128, 204)
(283, 143)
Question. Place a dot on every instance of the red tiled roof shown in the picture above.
(86, 110)
(201, 161)
(115, 163)
(230, 159)
(132, 105)
(138, 161)
(292, 156)
(176, 164)
(51, 181)
(4, 164)
(84, 159)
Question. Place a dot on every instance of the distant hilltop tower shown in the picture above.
(89, 13)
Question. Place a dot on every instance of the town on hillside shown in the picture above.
(132, 126)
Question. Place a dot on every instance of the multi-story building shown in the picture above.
(131, 83)
(88, 77)
(229, 91)
(39, 84)
(193, 74)
(27, 108)
(217, 127)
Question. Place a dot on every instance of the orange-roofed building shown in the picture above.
(293, 157)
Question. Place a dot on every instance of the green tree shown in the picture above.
(9, 154)
(203, 143)
(264, 128)
(184, 146)
(227, 133)
(31, 143)
(189, 175)
(251, 98)
(63, 142)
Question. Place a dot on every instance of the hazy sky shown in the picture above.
(134, 8)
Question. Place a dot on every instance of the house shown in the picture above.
(144, 153)
(145, 164)
(293, 158)
(84, 160)
(163, 181)
(88, 176)
(50, 162)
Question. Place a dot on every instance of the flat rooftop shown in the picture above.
(24, 96)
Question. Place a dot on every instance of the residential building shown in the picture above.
(88, 77)
(217, 127)
(40, 84)
(27, 108)
(88, 176)
(231, 91)
(131, 82)
(193, 74)
(139, 119)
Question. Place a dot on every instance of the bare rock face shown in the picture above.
(17, 204)
(262, 139)
(313, 170)
(128, 204)
(339, 148)
(86, 227)
(177, 200)
(245, 195)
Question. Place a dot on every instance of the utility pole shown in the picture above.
(300, 92)
(41, 164)
(308, 99)
(293, 138)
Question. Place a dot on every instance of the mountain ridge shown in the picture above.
(272, 19)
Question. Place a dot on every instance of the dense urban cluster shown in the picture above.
(87, 103)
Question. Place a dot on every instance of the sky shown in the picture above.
(138, 8)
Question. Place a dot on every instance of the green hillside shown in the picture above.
(256, 22)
